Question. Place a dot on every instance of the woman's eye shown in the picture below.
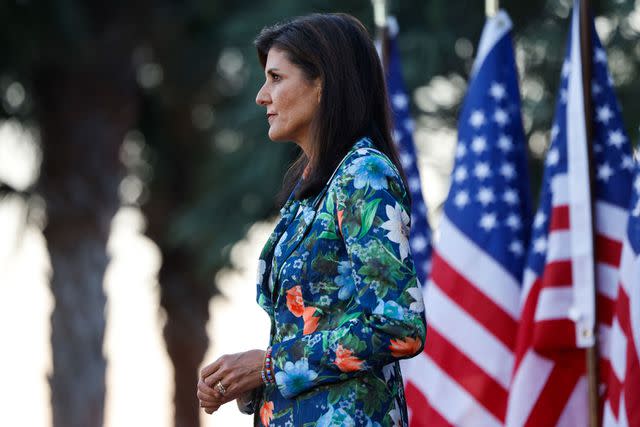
(275, 77)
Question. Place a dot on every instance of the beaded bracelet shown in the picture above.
(267, 371)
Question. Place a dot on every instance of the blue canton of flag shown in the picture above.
(420, 235)
(489, 199)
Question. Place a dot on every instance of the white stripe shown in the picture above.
(608, 419)
(618, 353)
(468, 336)
(528, 280)
(495, 28)
(554, 303)
(611, 220)
(604, 341)
(478, 267)
(575, 412)
(559, 246)
(528, 383)
(448, 398)
(560, 190)
(630, 281)
(607, 280)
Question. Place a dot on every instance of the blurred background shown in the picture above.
(137, 181)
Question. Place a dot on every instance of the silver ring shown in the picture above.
(221, 388)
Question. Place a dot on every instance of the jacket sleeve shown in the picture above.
(387, 324)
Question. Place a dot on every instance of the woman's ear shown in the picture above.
(319, 90)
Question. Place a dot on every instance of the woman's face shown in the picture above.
(290, 98)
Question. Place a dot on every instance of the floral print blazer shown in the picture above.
(338, 282)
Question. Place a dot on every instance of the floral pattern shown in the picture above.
(338, 282)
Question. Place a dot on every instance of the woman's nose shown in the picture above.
(262, 98)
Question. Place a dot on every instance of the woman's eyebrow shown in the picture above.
(271, 70)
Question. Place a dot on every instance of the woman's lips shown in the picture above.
(270, 116)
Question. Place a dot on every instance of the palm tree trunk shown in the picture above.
(84, 117)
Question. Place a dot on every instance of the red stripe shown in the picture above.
(559, 218)
(525, 331)
(422, 413)
(608, 251)
(569, 367)
(606, 309)
(487, 391)
(549, 336)
(482, 308)
(557, 274)
(632, 371)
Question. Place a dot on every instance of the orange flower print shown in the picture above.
(406, 347)
(345, 361)
(310, 322)
(340, 214)
(294, 301)
(266, 413)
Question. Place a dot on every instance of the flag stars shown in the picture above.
(505, 143)
(400, 101)
(516, 248)
(555, 131)
(406, 159)
(595, 88)
(566, 69)
(605, 172)
(419, 243)
(508, 171)
(485, 196)
(539, 219)
(604, 114)
(627, 162)
(617, 138)
(497, 91)
(540, 245)
(477, 119)
(564, 95)
(511, 197)
(460, 174)
(553, 157)
(461, 199)
(636, 184)
(414, 184)
(461, 150)
(408, 125)
(479, 144)
(482, 170)
(501, 117)
(514, 222)
(488, 221)
(600, 56)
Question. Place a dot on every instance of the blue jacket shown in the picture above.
(338, 282)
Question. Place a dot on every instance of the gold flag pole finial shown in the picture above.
(491, 7)
(380, 13)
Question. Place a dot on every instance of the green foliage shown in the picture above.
(210, 169)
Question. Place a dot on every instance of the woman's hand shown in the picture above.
(228, 378)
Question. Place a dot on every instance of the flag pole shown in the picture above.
(380, 18)
(586, 61)
(491, 7)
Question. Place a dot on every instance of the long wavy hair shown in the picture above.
(337, 49)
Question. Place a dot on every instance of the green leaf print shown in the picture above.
(368, 215)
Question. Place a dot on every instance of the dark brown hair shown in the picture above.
(337, 49)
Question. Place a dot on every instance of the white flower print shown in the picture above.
(398, 227)
(416, 294)
(262, 267)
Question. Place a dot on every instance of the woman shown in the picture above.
(336, 276)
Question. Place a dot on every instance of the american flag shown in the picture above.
(559, 301)
(622, 407)
(474, 289)
(420, 234)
